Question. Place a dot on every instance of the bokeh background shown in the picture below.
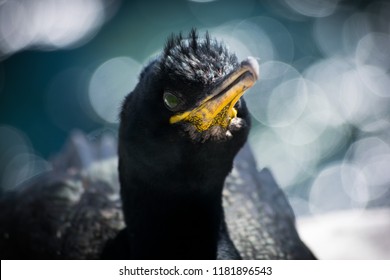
(321, 109)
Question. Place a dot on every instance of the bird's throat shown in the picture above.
(179, 226)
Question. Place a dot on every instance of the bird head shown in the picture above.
(190, 95)
(196, 85)
(210, 110)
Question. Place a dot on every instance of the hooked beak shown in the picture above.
(218, 107)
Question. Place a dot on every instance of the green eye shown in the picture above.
(171, 100)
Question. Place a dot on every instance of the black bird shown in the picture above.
(181, 129)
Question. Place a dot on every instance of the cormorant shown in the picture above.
(180, 130)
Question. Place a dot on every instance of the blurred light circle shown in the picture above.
(354, 183)
(376, 79)
(224, 33)
(354, 28)
(247, 38)
(377, 126)
(272, 70)
(313, 119)
(311, 155)
(17, 161)
(338, 187)
(304, 62)
(373, 49)
(349, 97)
(357, 103)
(265, 38)
(325, 70)
(328, 35)
(12, 142)
(332, 141)
(363, 150)
(377, 172)
(280, 86)
(313, 8)
(353, 101)
(257, 42)
(13, 32)
(212, 13)
(21, 168)
(110, 83)
(281, 9)
(48, 24)
(287, 103)
(372, 156)
(65, 22)
(272, 153)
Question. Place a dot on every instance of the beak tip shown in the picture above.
(252, 63)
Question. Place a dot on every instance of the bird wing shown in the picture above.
(71, 211)
(260, 219)
(67, 213)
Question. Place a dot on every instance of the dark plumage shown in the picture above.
(174, 161)
(172, 175)
(200, 61)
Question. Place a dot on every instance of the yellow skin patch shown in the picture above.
(218, 108)
(205, 121)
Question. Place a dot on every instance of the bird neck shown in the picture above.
(173, 217)
(180, 227)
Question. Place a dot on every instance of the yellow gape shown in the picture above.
(217, 109)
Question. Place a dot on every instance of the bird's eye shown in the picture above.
(171, 100)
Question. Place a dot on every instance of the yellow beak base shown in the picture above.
(217, 109)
